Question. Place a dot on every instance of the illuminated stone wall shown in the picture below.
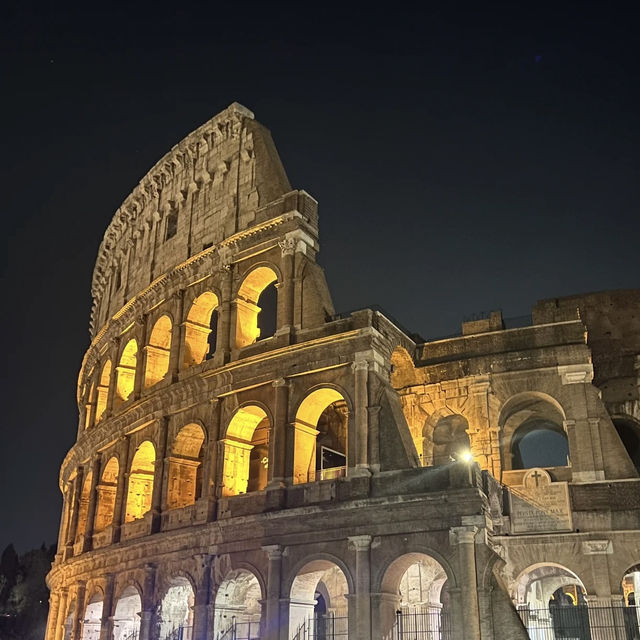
(229, 474)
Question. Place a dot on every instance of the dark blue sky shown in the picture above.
(465, 159)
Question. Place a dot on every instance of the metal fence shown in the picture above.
(582, 623)
(240, 631)
(180, 633)
(323, 628)
(432, 624)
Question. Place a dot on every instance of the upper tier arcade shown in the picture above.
(212, 185)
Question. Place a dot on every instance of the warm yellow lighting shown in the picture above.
(107, 495)
(247, 309)
(141, 482)
(157, 352)
(103, 390)
(309, 412)
(465, 455)
(197, 328)
(126, 371)
(184, 467)
(84, 506)
(248, 430)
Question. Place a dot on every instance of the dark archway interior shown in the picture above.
(539, 443)
(267, 318)
(213, 336)
(630, 435)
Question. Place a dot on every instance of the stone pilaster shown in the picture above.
(362, 600)
(464, 539)
(359, 463)
(78, 615)
(75, 510)
(272, 604)
(160, 476)
(277, 444)
(93, 500)
(106, 628)
(52, 617)
(202, 597)
(58, 632)
(119, 507)
(147, 615)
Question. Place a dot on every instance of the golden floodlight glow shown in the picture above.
(126, 371)
(157, 352)
(465, 455)
(238, 444)
(185, 463)
(247, 309)
(107, 495)
(141, 481)
(307, 416)
(197, 328)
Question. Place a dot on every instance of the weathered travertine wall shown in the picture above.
(249, 463)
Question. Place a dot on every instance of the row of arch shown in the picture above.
(319, 596)
(532, 434)
(244, 455)
(255, 319)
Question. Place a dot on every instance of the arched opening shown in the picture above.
(92, 618)
(631, 594)
(103, 390)
(126, 372)
(450, 439)
(552, 599)
(176, 611)
(237, 606)
(629, 432)
(415, 603)
(200, 329)
(185, 467)
(321, 436)
(83, 508)
(256, 307)
(318, 602)
(532, 434)
(107, 495)
(126, 618)
(246, 451)
(140, 482)
(539, 443)
(158, 351)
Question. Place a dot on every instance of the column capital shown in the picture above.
(279, 382)
(273, 551)
(462, 535)
(360, 365)
(360, 543)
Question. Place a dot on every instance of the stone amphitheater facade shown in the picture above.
(250, 464)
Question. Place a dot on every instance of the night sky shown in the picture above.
(465, 159)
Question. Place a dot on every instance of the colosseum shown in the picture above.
(250, 464)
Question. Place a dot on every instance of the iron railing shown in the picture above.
(180, 633)
(430, 624)
(582, 622)
(323, 627)
(239, 631)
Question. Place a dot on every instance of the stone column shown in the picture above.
(58, 631)
(75, 509)
(141, 357)
(176, 354)
(93, 500)
(148, 606)
(277, 442)
(106, 627)
(211, 462)
(52, 617)
(362, 600)
(120, 507)
(78, 616)
(201, 600)
(113, 380)
(360, 434)
(271, 630)
(383, 613)
(224, 338)
(159, 476)
(288, 247)
(64, 520)
(464, 539)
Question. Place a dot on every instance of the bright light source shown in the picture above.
(466, 456)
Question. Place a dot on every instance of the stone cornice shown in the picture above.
(223, 126)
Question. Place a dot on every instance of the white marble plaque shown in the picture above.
(539, 505)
